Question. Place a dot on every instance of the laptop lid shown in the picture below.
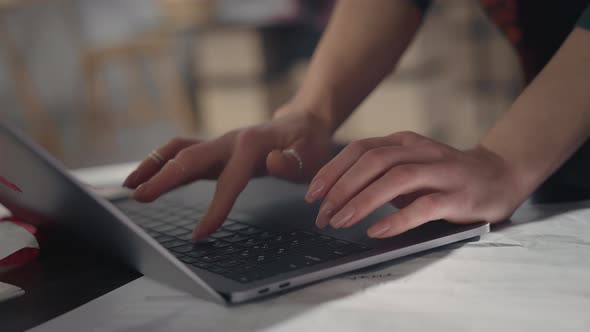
(37, 188)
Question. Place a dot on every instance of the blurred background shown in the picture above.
(98, 82)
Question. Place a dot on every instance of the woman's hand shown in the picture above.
(426, 179)
(234, 159)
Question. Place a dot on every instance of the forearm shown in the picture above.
(362, 44)
(550, 119)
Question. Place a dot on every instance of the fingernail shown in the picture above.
(378, 230)
(342, 217)
(324, 215)
(129, 179)
(314, 191)
(142, 190)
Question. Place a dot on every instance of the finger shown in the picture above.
(370, 166)
(295, 163)
(400, 180)
(241, 167)
(424, 209)
(407, 138)
(149, 167)
(284, 165)
(187, 166)
(332, 171)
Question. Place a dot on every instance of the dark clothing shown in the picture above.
(537, 29)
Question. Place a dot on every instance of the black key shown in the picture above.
(173, 244)
(337, 244)
(185, 222)
(217, 270)
(250, 242)
(264, 246)
(250, 231)
(202, 265)
(263, 258)
(219, 244)
(198, 253)
(350, 249)
(221, 234)
(178, 255)
(228, 222)
(278, 251)
(317, 254)
(164, 228)
(287, 263)
(235, 238)
(229, 250)
(163, 238)
(152, 233)
(263, 235)
(244, 254)
(187, 236)
(212, 258)
(188, 259)
(229, 263)
(323, 239)
(301, 235)
(210, 245)
(185, 248)
(280, 238)
(235, 227)
(243, 278)
(295, 243)
(178, 232)
(244, 268)
(149, 223)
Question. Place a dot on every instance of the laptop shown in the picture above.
(269, 243)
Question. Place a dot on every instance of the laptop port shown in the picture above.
(284, 285)
(262, 291)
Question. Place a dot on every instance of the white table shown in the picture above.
(532, 274)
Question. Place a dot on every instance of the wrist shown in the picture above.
(515, 187)
(316, 116)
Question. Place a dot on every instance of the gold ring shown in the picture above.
(157, 157)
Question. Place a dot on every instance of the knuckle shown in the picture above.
(403, 173)
(248, 137)
(405, 136)
(357, 146)
(177, 141)
(184, 154)
(431, 149)
(374, 158)
(429, 204)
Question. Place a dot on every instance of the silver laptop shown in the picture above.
(269, 243)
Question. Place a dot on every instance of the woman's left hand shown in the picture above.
(427, 180)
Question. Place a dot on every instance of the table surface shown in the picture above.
(531, 273)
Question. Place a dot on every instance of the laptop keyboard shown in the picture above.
(237, 250)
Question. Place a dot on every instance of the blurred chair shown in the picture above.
(36, 117)
(155, 48)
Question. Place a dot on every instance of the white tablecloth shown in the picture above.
(532, 274)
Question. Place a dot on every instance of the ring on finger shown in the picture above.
(295, 155)
(157, 157)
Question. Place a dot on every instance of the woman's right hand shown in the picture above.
(233, 159)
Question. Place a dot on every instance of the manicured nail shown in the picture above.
(378, 230)
(342, 217)
(130, 179)
(324, 215)
(197, 233)
(142, 190)
(314, 191)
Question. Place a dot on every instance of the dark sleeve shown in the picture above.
(584, 21)
(423, 5)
